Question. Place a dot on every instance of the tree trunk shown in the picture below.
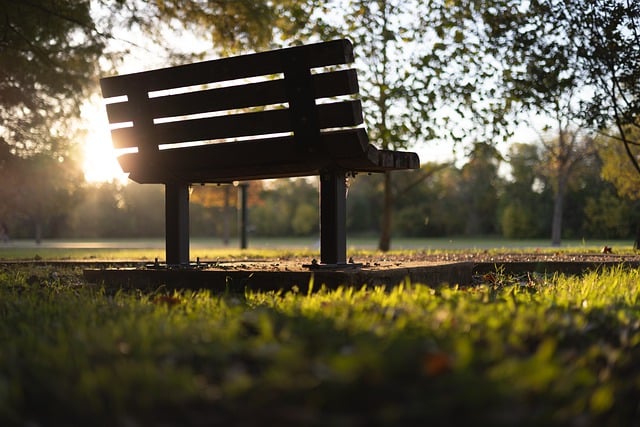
(38, 231)
(558, 209)
(387, 208)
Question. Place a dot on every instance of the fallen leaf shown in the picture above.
(436, 364)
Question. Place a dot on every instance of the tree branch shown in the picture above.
(68, 18)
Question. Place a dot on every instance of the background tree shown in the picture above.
(288, 208)
(480, 190)
(364, 205)
(543, 80)
(446, 189)
(223, 197)
(222, 200)
(613, 154)
(626, 181)
(605, 36)
(561, 157)
(37, 192)
(99, 213)
(553, 56)
(609, 216)
(112, 210)
(143, 208)
(467, 70)
(523, 208)
(413, 198)
(392, 40)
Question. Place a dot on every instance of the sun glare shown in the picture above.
(100, 164)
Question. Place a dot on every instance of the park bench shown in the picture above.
(288, 112)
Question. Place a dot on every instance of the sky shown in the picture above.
(100, 164)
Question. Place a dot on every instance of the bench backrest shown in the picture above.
(265, 96)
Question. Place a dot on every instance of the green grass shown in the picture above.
(510, 351)
(53, 253)
(141, 254)
(212, 249)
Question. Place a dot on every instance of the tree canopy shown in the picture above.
(572, 60)
(49, 51)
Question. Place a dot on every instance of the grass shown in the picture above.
(83, 254)
(524, 351)
(211, 249)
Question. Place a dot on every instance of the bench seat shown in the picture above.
(264, 159)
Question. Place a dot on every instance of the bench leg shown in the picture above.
(333, 217)
(177, 224)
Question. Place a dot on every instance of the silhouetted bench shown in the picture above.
(282, 113)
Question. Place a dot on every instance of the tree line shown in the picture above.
(490, 194)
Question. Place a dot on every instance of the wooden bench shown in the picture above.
(282, 113)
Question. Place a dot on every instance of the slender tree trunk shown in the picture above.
(387, 208)
(558, 210)
(38, 232)
(556, 224)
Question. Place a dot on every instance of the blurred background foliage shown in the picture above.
(472, 200)
(463, 73)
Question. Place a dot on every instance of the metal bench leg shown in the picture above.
(333, 217)
(177, 224)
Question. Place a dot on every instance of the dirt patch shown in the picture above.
(499, 257)
(371, 269)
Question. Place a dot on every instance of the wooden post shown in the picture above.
(333, 217)
(177, 223)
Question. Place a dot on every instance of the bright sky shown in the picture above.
(100, 162)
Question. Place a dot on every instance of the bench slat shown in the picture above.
(279, 167)
(331, 115)
(343, 82)
(203, 101)
(258, 64)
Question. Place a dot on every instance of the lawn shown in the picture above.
(208, 248)
(524, 351)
